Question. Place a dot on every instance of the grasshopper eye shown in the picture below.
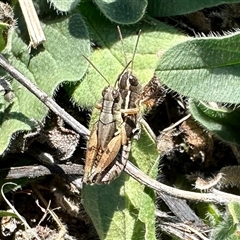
(105, 90)
(133, 80)
(115, 94)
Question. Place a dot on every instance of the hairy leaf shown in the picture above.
(223, 122)
(214, 215)
(3, 41)
(47, 67)
(123, 12)
(6, 23)
(64, 6)
(108, 56)
(234, 209)
(162, 8)
(204, 68)
(225, 230)
(228, 227)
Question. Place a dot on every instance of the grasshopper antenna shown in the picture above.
(98, 70)
(121, 39)
(135, 49)
(124, 50)
(122, 72)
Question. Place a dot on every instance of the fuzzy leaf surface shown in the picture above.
(65, 6)
(124, 11)
(108, 56)
(47, 67)
(224, 123)
(204, 68)
(234, 209)
(3, 40)
(161, 8)
(226, 229)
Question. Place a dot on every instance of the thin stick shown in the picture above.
(43, 97)
(34, 27)
(16, 212)
(176, 123)
(216, 197)
(133, 171)
(37, 171)
(62, 229)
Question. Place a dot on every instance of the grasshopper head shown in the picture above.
(111, 94)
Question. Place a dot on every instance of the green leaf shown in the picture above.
(3, 39)
(124, 209)
(221, 121)
(59, 59)
(124, 11)
(204, 68)
(214, 215)
(6, 24)
(225, 230)
(228, 227)
(234, 209)
(65, 6)
(161, 8)
(7, 214)
(108, 57)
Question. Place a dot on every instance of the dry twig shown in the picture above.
(214, 197)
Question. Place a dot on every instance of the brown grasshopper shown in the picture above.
(106, 138)
(110, 139)
(134, 96)
(111, 135)
(130, 90)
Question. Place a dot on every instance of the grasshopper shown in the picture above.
(131, 93)
(134, 96)
(106, 138)
(109, 144)
(130, 90)
(110, 140)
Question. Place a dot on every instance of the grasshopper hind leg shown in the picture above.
(92, 149)
(115, 169)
